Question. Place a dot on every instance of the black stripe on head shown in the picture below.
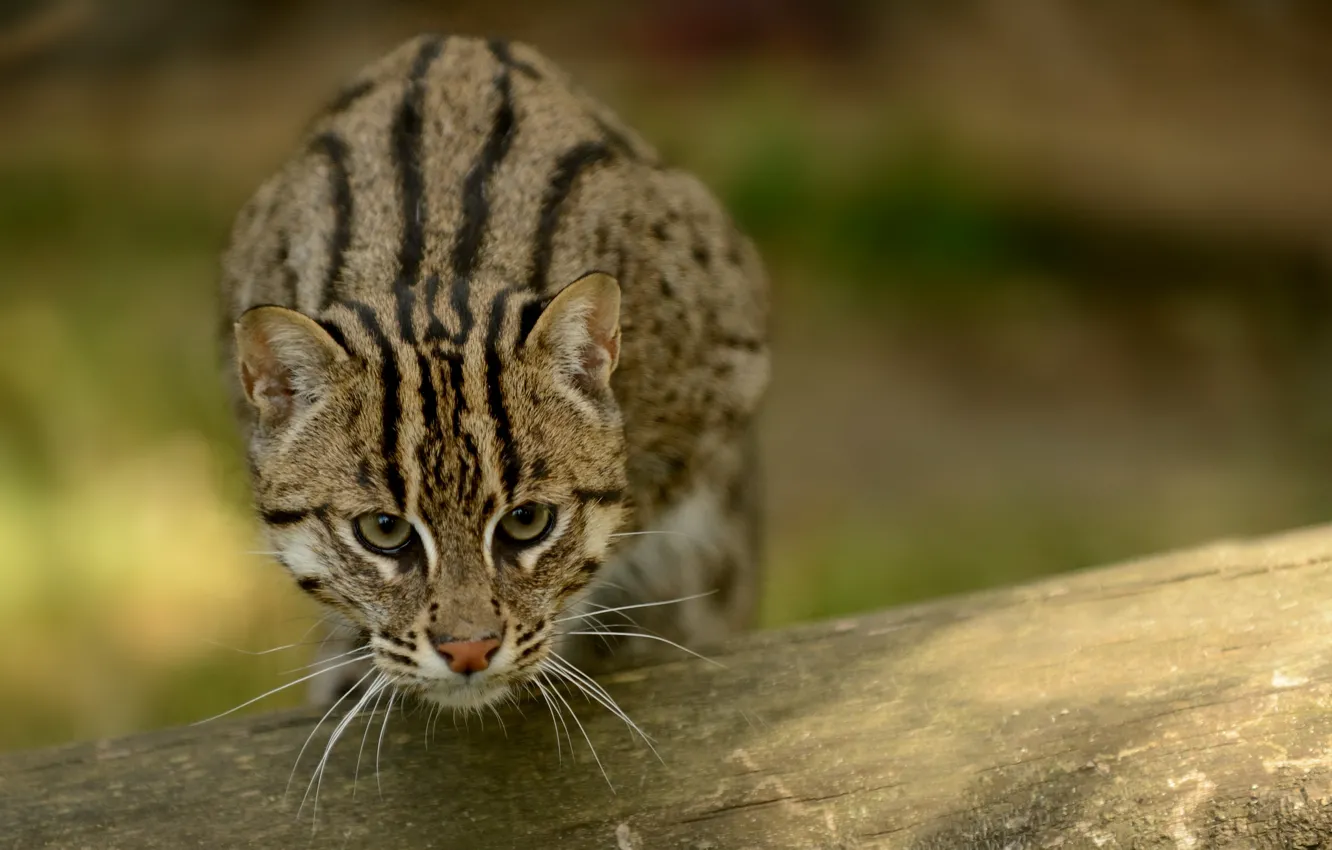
(474, 478)
(335, 333)
(434, 328)
(459, 294)
(459, 299)
(475, 200)
(495, 394)
(429, 412)
(347, 97)
(528, 316)
(288, 273)
(452, 363)
(466, 470)
(406, 156)
(617, 140)
(500, 48)
(280, 518)
(571, 164)
(331, 146)
(390, 380)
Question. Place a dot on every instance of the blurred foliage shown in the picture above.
(913, 213)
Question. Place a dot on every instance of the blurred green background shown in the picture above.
(1052, 284)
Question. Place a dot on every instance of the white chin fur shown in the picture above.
(466, 695)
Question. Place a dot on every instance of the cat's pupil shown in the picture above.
(524, 515)
(387, 524)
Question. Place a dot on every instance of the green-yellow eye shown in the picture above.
(382, 533)
(526, 524)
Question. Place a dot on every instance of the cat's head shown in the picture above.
(449, 492)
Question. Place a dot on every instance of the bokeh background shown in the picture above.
(1052, 278)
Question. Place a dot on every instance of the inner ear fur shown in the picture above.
(580, 328)
(285, 360)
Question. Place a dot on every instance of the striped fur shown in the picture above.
(438, 206)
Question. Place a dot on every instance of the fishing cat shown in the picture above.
(497, 368)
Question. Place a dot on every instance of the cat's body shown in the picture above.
(444, 393)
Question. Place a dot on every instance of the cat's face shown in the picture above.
(451, 500)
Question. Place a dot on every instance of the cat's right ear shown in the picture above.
(580, 328)
(285, 360)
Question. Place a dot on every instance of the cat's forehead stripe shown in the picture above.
(571, 164)
(499, 414)
(334, 149)
(405, 152)
(391, 381)
(429, 411)
(475, 197)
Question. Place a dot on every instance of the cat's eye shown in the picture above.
(382, 533)
(526, 524)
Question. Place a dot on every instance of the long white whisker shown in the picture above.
(511, 698)
(601, 609)
(332, 632)
(254, 652)
(595, 691)
(274, 691)
(317, 780)
(639, 605)
(369, 721)
(653, 637)
(572, 675)
(699, 542)
(610, 585)
(559, 750)
(310, 737)
(691, 538)
(364, 649)
(590, 696)
(380, 746)
(316, 624)
(598, 623)
(559, 696)
(495, 711)
(431, 714)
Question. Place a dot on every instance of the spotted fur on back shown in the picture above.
(400, 348)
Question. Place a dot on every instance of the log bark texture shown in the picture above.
(1183, 701)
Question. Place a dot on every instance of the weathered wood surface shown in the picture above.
(1178, 702)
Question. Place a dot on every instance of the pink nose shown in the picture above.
(468, 656)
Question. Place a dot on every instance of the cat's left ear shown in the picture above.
(285, 360)
(580, 327)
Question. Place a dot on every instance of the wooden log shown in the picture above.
(1176, 702)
